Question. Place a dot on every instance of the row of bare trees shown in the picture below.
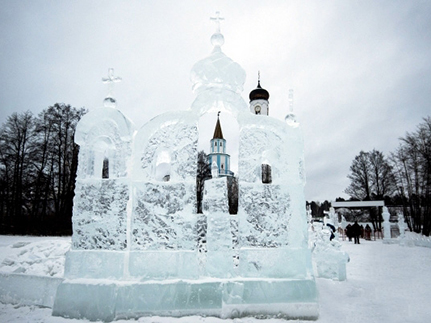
(38, 162)
(412, 170)
(402, 179)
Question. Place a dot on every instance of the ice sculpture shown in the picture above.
(387, 234)
(329, 260)
(135, 240)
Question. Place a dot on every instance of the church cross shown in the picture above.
(110, 80)
(217, 20)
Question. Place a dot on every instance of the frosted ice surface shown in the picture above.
(270, 141)
(264, 213)
(104, 133)
(217, 82)
(217, 71)
(219, 259)
(164, 217)
(100, 215)
(168, 141)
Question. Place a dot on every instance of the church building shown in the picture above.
(259, 105)
(259, 100)
(218, 153)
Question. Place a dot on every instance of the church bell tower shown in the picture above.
(218, 151)
(259, 104)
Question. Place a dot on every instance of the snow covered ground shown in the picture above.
(385, 283)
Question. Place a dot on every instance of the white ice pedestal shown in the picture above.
(121, 285)
(105, 300)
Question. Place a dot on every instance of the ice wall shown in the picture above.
(100, 204)
(219, 258)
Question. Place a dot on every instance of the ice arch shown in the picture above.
(104, 133)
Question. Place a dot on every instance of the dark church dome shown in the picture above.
(259, 93)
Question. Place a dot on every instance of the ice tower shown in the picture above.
(134, 250)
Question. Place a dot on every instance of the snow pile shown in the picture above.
(33, 256)
(415, 239)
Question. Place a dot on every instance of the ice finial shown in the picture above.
(290, 118)
(290, 100)
(217, 38)
(109, 101)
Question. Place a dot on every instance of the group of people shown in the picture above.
(354, 231)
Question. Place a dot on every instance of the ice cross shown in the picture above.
(291, 100)
(217, 20)
(110, 80)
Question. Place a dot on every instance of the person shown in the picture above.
(349, 231)
(329, 225)
(356, 232)
(367, 232)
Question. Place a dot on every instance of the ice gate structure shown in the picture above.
(134, 246)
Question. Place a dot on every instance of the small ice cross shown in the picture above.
(110, 80)
(217, 20)
(291, 100)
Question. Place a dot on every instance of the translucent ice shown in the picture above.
(136, 231)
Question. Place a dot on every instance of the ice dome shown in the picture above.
(217, 70)
(218, 82)
(95, 118)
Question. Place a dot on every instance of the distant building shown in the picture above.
(218, 151)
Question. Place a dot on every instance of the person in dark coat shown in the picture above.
(356, 231)
(349, 232)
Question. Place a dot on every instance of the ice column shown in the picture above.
(219, 262)
(386, 225)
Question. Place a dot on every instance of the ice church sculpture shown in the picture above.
(134, 246)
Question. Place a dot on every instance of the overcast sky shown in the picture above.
(360, 70)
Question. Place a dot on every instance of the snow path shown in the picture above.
(385, 283)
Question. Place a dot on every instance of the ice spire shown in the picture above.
(217, 39)
(110, 101)
(290, 100)
(291, 117)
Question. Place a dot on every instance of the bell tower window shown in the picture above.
(257, 109)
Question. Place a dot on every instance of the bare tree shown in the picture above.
(412, 164)
(38, 162)
(16, 136)
(371, 179)
(360, 182)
